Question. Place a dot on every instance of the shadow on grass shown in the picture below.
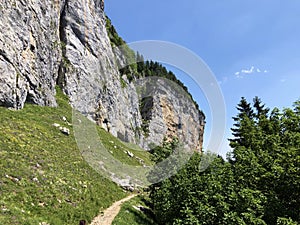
(145, 216)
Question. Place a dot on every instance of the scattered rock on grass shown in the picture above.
(44, 223)
(64, 130)
(35, 179)
(130, 154)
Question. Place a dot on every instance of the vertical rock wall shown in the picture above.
(29, 57)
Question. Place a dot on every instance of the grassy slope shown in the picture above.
(43, 177)
(130, 215)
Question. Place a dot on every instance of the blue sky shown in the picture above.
(252, 47)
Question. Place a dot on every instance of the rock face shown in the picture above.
(29, 58)
(48, 43)
(168, 112)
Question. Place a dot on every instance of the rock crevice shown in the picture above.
(62, 40)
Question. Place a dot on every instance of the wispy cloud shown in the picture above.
(252, 70)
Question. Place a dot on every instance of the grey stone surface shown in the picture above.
(29, 58)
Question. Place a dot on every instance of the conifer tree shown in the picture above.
(261, 110)
(244, 116)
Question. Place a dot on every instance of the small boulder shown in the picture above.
(56, 125)
(64, 130)
(130, 154)
(35, 179)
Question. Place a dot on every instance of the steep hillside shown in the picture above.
(70, 44)
(43, 177)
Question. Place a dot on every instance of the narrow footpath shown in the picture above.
(110, 213)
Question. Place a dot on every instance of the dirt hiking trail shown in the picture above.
(110, 213)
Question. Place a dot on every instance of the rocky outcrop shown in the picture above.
(48, 43)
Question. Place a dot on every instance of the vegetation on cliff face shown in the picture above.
(138, 67)
(43, 177)
(117, 41)
(114, 38)
(259, 184)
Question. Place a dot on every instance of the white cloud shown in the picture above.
(252, 70)
(248, 71)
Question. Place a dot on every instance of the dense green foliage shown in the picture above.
(43, 177)
(259, 184)
(266, 159)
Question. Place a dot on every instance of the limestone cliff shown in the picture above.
(170, 112)
(29, 57)
(62, 42)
